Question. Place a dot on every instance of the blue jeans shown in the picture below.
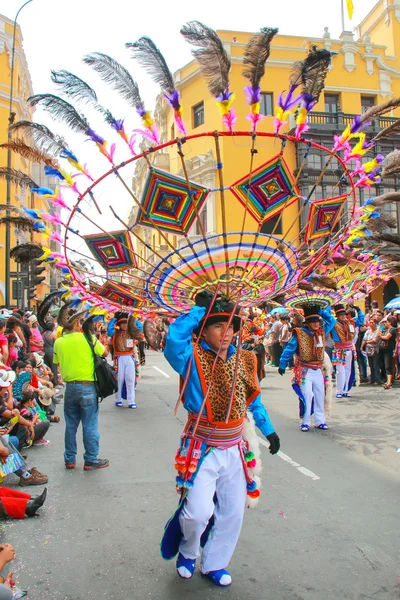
(80, 404)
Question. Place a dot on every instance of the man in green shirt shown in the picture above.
(74, 356)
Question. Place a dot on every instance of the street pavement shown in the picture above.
(326, 527)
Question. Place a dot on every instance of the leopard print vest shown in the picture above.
(247, 387)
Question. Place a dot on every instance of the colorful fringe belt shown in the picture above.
(194, 448)
(224, 437)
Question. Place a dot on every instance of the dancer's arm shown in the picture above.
(261, 417)
(329, 321)
(179, 346)
(288, 353)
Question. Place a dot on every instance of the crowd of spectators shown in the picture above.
(30, 389)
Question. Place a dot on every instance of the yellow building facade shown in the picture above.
(365, 71)
(22, 89)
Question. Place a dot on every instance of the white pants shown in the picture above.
(314, 388)
(343, 372)
(127, 373)
(222, 473)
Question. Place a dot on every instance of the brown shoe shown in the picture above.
(36, 478)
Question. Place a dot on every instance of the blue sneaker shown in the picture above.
(221, 577)
(185, 566)
(323, 426)
(118, 403)
(132, 405)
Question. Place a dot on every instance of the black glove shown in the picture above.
(274, 442)
(281, 371)
(204, 299)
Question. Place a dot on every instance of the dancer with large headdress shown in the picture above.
(344, 335)
(308, 344)
(219, 384)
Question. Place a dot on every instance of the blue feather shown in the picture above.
(53, 172)
(43, 191)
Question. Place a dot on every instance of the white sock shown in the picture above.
(226, 580)
(26, 475)
(184, 572)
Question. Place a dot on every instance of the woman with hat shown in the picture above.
(344, 335)
(218, 384)
(308, 343)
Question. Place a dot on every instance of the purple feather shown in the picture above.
(118, 124)
(173, 99)
(356, 125)
(226, 94)
(141, 111)
(308, 101)
(253, 95)
(94, 137)
(289, 103)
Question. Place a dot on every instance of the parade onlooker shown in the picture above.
(370, 345)
(276, 348)
(74, 355)
(388, 346)
(49, 338)
(36, 340)
(3, 342)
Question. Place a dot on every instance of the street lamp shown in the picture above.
(11, 118)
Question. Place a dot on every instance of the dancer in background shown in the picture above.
(124, 334)
(308, 343)
(343, 335)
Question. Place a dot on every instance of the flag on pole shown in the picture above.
(350, 8)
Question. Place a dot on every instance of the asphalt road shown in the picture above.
(327, 525)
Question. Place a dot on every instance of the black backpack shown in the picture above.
(104, 376)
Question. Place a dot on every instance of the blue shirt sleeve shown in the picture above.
(111, 327)
(178, 347)
(261, 417)
(359, 320)
(291, 349)
(329, 321)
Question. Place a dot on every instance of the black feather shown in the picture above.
(149, 56)
(256, 54)
(210, 54)
(117, 76)
(40, 135)
(311, 72)
(393, 129)
(33, 154)
(380, 109)
(11, 208)
(392, 238)
(73, 86)
(21, 223)
(24, 253)
(17, 177)
(61, 110)
(324, 281)
(45, 306)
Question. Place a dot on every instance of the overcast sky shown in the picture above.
(58, 33)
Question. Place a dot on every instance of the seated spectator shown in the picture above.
(28, 410)
(3, 342)
(12, 350)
